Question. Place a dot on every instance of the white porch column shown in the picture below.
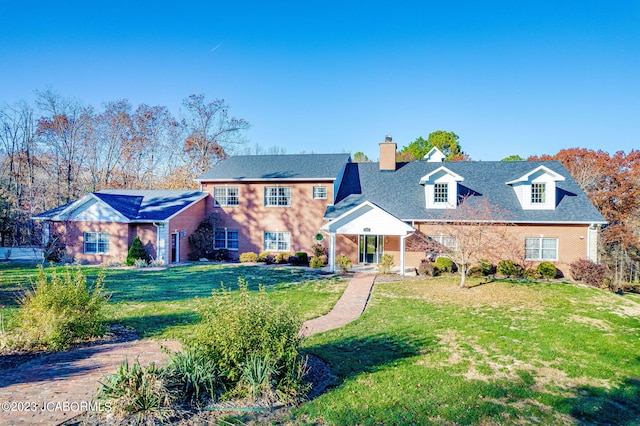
(332, 252)
(402, 244)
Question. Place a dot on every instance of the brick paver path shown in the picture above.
(54, 388)
(349, 307)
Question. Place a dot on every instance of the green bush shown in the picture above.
(201, 241)
(304, 258)
(531, 274)
(547, 270)
(444, 264)
(475, 271)
(294, 260)
(428, 268)
(136, 251)
(318, 261)
(55, 250)
(262, 256)
(487, 267)
(60, 309)
(509, 268)
(344, 263)
(386, 262)
(248, 257)
(282, 258)
(135, 389)
(235, 328)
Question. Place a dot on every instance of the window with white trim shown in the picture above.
(440, 192)
(538, 193)
(277, 196)
(96, 243)
(445, 241)
(226, 239)
(541, 248)
(225, 196)
(277, 241)
(320, 192)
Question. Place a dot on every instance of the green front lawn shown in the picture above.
(163, 302)
(425, 352)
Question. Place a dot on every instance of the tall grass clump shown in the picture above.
(134, 389)
(254, 343)
(60, 309)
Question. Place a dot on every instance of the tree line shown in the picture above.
(58, 149)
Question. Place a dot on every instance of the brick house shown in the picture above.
(287, 203)
(101, 226)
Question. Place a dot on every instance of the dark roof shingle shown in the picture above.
(277, 167)
(400, 193)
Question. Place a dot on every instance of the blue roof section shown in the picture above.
(138, 205)
(149, 205)
(277, 167)
(399, 192)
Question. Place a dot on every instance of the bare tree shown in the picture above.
(475, 231)
(210, 132)
(64, 128)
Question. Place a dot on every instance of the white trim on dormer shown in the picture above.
(441, 175)
(434, 156)
(536, 190)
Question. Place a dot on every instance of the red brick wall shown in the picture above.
(73, 237)
(187, 221)
(572, 243)
(252, 218)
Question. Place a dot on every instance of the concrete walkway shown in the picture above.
(349, 307)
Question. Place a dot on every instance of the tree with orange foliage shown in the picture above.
(612, 185)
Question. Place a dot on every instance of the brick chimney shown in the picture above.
(388, 154)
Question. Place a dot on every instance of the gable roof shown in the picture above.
(132, 205)
(401, 194)
(277, 167)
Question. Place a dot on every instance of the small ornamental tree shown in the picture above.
(478, 230)
(136, 251)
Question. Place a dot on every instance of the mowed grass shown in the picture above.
(425, 352)
(163, 302)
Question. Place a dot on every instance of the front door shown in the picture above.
(174, 248)
(370, 248)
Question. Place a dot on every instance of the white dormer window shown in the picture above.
(440, 193)
(441, 188)
(538, 193)
(537, 189)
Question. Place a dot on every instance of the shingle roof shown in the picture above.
(400, 193)
(138, 205)
(277, 167)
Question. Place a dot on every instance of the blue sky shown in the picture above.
(509, 77)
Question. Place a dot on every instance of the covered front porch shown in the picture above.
(365, 233)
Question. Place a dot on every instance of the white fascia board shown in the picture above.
(455, 176)
(371, 208)
(200, 198)
(518, 222)
(524, 178)
(331, 179)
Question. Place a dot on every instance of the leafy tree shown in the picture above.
(514, 157)
(447, 142)
(611, 183)
(136, 251)
(360, 157)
